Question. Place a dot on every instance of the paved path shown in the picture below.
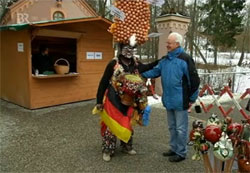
(66, 138)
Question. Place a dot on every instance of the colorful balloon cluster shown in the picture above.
(137, 17)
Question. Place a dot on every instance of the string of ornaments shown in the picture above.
(136, 21)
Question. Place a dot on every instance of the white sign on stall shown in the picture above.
(98, 55)
(90, 55)
(20, 47)
(94, 55)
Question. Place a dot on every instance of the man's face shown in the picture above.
(171, 43)
(46, 52)
(127, 51)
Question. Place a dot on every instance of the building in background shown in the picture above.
(28, 11)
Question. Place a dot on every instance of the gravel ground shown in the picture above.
(66, 138)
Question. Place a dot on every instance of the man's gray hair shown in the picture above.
(179, 38)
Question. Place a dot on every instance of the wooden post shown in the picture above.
(229, 163)
(207, 163)
(217, 165)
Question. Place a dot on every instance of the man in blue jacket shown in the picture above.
(180, 83)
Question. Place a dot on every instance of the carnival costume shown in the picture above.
(123, 94)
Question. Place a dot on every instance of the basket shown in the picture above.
(61, 69)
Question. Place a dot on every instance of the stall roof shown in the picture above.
(17, 27)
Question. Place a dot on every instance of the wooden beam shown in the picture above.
(57, 33)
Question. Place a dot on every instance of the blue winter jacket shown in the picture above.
(179, 77)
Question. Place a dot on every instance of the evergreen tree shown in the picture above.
(101, 7)
(4, 4)
(222, 22)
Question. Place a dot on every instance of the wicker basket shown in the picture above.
(61, 69)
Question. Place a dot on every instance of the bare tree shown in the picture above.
(192, 28)
(100, 6)
(183, 6)
(173, 6)
(245, 36)
(3, 7)
(3, 3)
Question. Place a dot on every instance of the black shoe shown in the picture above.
(176, 158)
(168, 153)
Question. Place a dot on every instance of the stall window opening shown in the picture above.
(47, 50)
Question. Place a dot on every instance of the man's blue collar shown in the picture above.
(175, 53)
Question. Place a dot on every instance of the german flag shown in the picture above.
(116, 116)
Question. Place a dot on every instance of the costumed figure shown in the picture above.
(121, 95)
(122, 99)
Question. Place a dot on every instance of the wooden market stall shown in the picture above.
(85, 43)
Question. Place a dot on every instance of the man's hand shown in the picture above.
(99, 107)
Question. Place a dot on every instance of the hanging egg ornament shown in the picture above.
(191, 135)
(137, 18)
(235, 128)
(204, 147)
(197, 124)
(246, 134)
(244, 156)
(244, 164)
(212, 133)
(213, 120)
(223, 149)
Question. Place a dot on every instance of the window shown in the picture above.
(47, 50)
(58, 15)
